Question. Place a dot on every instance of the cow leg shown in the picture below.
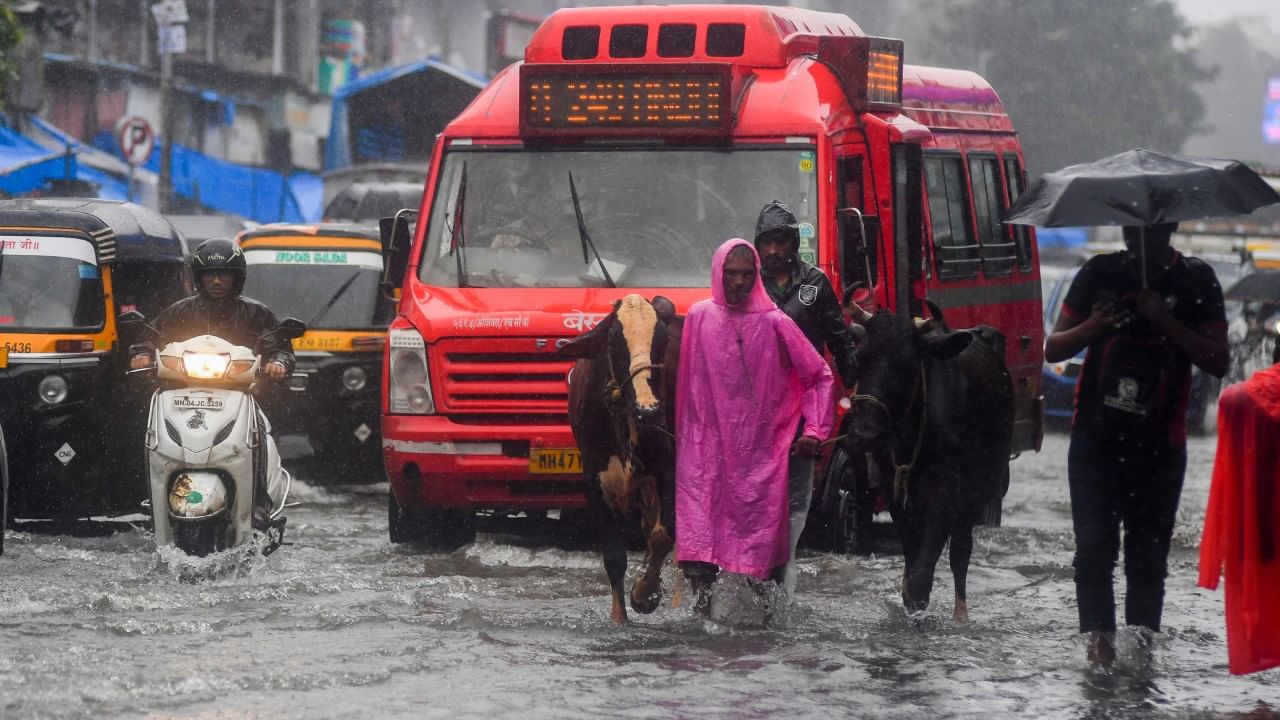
(909, 536)
(647, 591)
(919, 580)
(960, 552)
(612, 546)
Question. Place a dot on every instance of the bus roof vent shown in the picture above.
(747, 35)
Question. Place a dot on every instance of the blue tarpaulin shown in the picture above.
(25, 165)
(257, 194)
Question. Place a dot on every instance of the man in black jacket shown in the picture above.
(803, 292)
(217, 308)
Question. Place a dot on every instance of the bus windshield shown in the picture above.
(654, 215)
(49, 283)
(324, 289)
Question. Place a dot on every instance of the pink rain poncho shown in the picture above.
(747, 375)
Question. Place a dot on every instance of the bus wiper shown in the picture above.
(586, 239)
(457, 239)
(329, 305)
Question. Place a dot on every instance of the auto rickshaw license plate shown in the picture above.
(4, 357)
(559, 461)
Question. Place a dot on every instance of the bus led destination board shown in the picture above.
(623, 102)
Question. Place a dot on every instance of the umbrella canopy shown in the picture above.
(1141, 187)
(1259, 286)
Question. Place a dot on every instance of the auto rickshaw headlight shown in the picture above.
(354, 378)
(53, 389)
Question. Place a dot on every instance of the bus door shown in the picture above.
(859, 247)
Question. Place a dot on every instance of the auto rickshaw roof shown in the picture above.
(123, 231)
(318, 230)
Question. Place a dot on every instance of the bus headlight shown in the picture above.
(409, 385)
(53, 389)
(354, 378)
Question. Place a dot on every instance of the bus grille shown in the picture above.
(479, 377)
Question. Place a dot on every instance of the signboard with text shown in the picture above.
(1271, 114)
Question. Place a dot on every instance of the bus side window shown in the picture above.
(1020, 234)
(859, 233)
(998, 253)
(953, 244)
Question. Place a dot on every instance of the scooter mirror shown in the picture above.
(132, 317)
(291, 328)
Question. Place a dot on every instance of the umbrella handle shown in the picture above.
(1142, 254)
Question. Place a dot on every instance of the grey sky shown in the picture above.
(1210, 12)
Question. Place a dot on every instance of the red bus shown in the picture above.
(657, 133)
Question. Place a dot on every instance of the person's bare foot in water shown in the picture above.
(1101, 649)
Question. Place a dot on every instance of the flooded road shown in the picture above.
(342, 624)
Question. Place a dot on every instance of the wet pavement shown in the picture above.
(341, 623)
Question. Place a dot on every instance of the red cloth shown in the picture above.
(1242, 522)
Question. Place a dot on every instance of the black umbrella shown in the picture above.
(1141, 187)
(1258, 286)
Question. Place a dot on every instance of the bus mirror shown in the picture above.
(397, 236)
(859, 238)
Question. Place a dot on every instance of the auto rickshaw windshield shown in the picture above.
(50, 283)
(338, 296)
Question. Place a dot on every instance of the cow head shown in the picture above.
(890, 362)
(631, 340)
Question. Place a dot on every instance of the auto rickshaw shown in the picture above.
(333, 277)
(73, 425)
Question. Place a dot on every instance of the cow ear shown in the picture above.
(944, 345)
(665, 308)
(590, 343)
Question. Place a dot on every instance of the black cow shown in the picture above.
(622, 410)
(934, 408)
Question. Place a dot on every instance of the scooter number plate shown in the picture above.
(188, 402)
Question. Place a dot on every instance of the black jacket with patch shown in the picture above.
(811, 301)
(238, 320)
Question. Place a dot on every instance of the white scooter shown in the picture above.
(210, 453)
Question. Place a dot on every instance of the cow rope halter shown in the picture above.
(902, 473)
(613, 399)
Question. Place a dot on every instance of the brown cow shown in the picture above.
(621, 409)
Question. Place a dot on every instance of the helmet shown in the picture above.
(776, 217)
(219, 254)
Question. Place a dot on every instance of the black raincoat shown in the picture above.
(238, 320)
(812, 303)
(808, 297)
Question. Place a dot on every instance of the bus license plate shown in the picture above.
(560, 461)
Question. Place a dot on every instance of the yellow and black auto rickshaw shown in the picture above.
(73, 426)
(332, 276)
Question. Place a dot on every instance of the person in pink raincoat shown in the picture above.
(747, 376)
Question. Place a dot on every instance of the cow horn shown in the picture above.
(856, 313)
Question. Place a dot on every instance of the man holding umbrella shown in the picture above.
(1146, 315)
(1128, 436)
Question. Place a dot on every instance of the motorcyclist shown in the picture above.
(217, 308)
(804, 293)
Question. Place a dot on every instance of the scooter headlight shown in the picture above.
(206, 366)
(354, 378)
(53, 389)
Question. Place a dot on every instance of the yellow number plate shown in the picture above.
(4, 357)
(558, 461)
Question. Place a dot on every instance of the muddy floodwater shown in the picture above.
(343, 624)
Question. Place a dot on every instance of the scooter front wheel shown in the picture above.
(201, 537)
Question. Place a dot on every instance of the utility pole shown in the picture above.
(171, 33)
